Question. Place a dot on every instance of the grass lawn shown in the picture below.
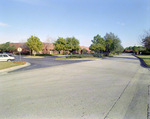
(4, 65)
(146, 58)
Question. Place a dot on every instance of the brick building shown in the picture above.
(47, 49)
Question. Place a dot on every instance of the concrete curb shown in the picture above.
(142, 62)
(77, 59)
(14, 68)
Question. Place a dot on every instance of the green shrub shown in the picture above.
(96, 55)
(79, 56)
(16, 53)
(64, 52)
(43, 55)
(113, 52)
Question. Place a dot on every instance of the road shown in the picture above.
(48, 61)
(114, 88)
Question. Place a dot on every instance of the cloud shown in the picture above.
(121, 23)
(3, 24)
(96, 25)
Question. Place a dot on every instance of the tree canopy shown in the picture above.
(72, 44)
(135, 49)
(115, 42)
(98, 44)
(5, 47)
(110, 43)
(60, 44)
(34, 43)
(145, 40)
(68, 44)
(140, 48)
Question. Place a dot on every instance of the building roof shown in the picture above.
(82, 47)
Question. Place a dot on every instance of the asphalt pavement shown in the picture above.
(113, 88)
(48, 61)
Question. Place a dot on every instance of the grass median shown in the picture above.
(146, 58)
(33, 57)
(81, 56)
(4, 65)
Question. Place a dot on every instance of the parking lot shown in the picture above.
(48, 61)
(112, 88)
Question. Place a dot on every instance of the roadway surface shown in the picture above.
(48, 61)
(114, 88)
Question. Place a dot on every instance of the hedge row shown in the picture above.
(43, 55)
(79, 56)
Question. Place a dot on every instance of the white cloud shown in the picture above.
(3, 24)
(120, 23)
(96, 25)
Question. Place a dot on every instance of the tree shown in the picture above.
(135, 49)
(130, 47)
(35, 44)
(145, 40)
(109, 46)
(72, 44)
(5, 47)
(84, 51)
(13, 48)
(98, 44)
(119, 49)
(141, 48)
(60, 44)
(116, 42)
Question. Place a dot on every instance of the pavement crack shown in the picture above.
(148, 111)
(116, 100)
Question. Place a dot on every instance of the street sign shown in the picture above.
(19, 49)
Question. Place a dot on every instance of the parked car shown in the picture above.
(10, 54)
(6, 57)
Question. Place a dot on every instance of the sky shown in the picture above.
(83, 19)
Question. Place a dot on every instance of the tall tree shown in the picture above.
(35, 44)
(145, 40)
(72, 44)
(116, 42)
(109, 46)
(98, 44)
(135, 49)
(60, 44)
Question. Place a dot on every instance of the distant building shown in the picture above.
(128, 51)
(47, 49)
